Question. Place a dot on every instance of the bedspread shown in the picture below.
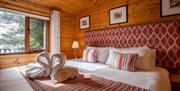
(83, 82)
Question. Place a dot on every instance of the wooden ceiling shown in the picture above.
(45, 6)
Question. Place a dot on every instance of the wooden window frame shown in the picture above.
(27, 34)
(27, 39)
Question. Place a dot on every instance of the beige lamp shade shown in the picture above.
(75, 44)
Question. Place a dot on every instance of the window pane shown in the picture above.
(37, 34)
(11, 32)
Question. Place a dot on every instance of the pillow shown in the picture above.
(146, 56)
(147, 61)
(110, 56)
(102, 53)
(89, 55)
(111, 53)
(124, 61)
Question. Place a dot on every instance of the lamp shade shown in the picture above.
(75, 44)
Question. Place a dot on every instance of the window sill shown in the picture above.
(30, 52)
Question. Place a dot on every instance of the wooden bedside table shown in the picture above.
(175, 82)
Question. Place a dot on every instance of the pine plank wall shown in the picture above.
(139, 12)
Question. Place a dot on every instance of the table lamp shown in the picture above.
(75, 45)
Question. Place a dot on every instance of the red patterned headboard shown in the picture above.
(163, 36)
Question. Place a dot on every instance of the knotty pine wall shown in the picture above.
(68, 26)
(16, 60)
(139, 12)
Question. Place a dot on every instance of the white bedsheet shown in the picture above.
(157, 80)
(12, 80)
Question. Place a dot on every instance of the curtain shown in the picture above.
(55, 32)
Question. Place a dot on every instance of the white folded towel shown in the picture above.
(57, 62)
(42, 68)
(51, 66)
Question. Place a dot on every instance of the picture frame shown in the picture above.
(118, 15)
(169, 7)
(85, 22)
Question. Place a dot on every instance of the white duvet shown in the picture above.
(157, 80)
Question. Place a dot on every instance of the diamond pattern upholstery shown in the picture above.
(162, 36)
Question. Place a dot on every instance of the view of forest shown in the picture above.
(12, 32)
(37, 34)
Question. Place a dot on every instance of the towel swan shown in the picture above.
(53, 66)
(42, 67)
(57, 62)
(60, 72)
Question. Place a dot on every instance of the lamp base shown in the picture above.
(75, 57)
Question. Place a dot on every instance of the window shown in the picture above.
(11, 32)
(20, 33)
(37, 34)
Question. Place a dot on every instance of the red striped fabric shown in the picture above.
(95, 56)
(87, 55)
(81, 83)
(124, 61)
(90, 55)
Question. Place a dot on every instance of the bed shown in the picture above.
(12, 80)
(101, 77)
(157, 80)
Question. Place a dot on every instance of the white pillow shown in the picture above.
(110, 56)
(89, 55)
(102, 53)
(146, 56)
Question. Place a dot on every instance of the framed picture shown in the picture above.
(170, 7)
(118, 15)
(85, 22)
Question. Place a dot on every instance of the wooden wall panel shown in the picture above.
(24, 6)
(68, 23)
(16, 60)
(139, 12)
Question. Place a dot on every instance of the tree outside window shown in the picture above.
(12, 33)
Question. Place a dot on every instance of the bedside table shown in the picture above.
(175, 82)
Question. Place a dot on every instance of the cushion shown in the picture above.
(146, 56)
(89, 55)
(147, 61)
(102, 53)
(124, 61)
(110, 56)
